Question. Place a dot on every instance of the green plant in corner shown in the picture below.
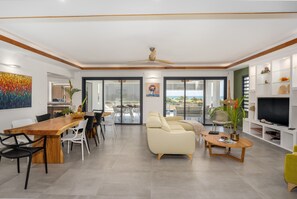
(70, 91)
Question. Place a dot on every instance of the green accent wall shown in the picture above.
(238, 74)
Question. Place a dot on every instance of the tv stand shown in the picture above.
(267, 132)
(274, 76)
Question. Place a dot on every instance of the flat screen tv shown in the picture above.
(275, 110)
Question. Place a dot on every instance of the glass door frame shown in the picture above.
(85, 79)
(184, 79)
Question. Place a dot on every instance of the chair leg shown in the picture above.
(291, 186)
(45, 159)
(71, 146)
(102, 131)
(18, 163)
(82, 150)
(68, 146)
(88, 145)
(28, 171)
(96, 134)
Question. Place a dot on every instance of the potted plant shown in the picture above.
(235, 114)
(70, 91)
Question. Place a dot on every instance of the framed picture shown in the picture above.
(15, 91)
(153, 89)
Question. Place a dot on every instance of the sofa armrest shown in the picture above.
(174, 118)
(163, 142)
(291, 168)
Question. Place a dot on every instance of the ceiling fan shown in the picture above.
(152, 59)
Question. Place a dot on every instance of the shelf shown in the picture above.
(258, 130)
(282, 70)
(281, 82)
(263, 84)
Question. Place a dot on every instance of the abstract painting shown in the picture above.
(153, 89)
(15, 91)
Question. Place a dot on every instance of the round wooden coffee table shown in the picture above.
(213, 140)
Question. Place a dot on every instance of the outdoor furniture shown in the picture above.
(15, 150)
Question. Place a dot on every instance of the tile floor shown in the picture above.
(125, 168)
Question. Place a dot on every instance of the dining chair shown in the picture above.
(20, 123)
(15, 150)
(43, 117)
(78, 136)
(110, 121)
(89, 129)
(98, 117)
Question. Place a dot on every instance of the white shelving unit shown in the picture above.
(274, 78)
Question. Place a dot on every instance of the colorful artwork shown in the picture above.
(15, 91)
(153, 89)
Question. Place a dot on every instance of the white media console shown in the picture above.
(274, 78)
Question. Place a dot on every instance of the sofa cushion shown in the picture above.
(154, 122)
(165, 125)
(176, 127)
(156, 114)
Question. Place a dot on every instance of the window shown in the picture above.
(245, 92)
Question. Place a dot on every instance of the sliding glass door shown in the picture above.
(193, 98)
(122, 96)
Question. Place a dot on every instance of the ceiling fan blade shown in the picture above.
(164, 61)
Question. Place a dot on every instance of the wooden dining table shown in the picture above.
(52, 128)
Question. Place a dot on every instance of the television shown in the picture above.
(275, 110)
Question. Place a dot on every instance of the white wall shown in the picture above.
(149, 103)
(38, 71)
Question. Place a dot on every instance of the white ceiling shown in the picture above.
(210, 39)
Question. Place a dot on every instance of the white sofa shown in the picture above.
(164, 138)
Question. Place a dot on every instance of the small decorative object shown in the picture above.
(284, 79)
(252, 109)
(266, 82)
(15, 91)
(77, 115)
(283, 90)
(265, 70)
(153, 89)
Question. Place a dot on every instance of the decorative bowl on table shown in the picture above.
(77, 115)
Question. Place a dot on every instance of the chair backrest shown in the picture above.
(90, 122)
(82, 125)
(221, 116)
(44, 117)
(98, 116)
(22, 122)
(58, 114)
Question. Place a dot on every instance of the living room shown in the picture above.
(153, 59)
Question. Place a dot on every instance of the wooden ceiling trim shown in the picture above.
(144, 15)
(157, 68)
(265, 52)
(39, 52)
(56, 58)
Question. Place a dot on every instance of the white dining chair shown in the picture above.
(110, 121)
(78, 136)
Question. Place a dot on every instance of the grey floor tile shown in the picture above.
(124, 168)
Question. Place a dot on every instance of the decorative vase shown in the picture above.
(234, 136)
